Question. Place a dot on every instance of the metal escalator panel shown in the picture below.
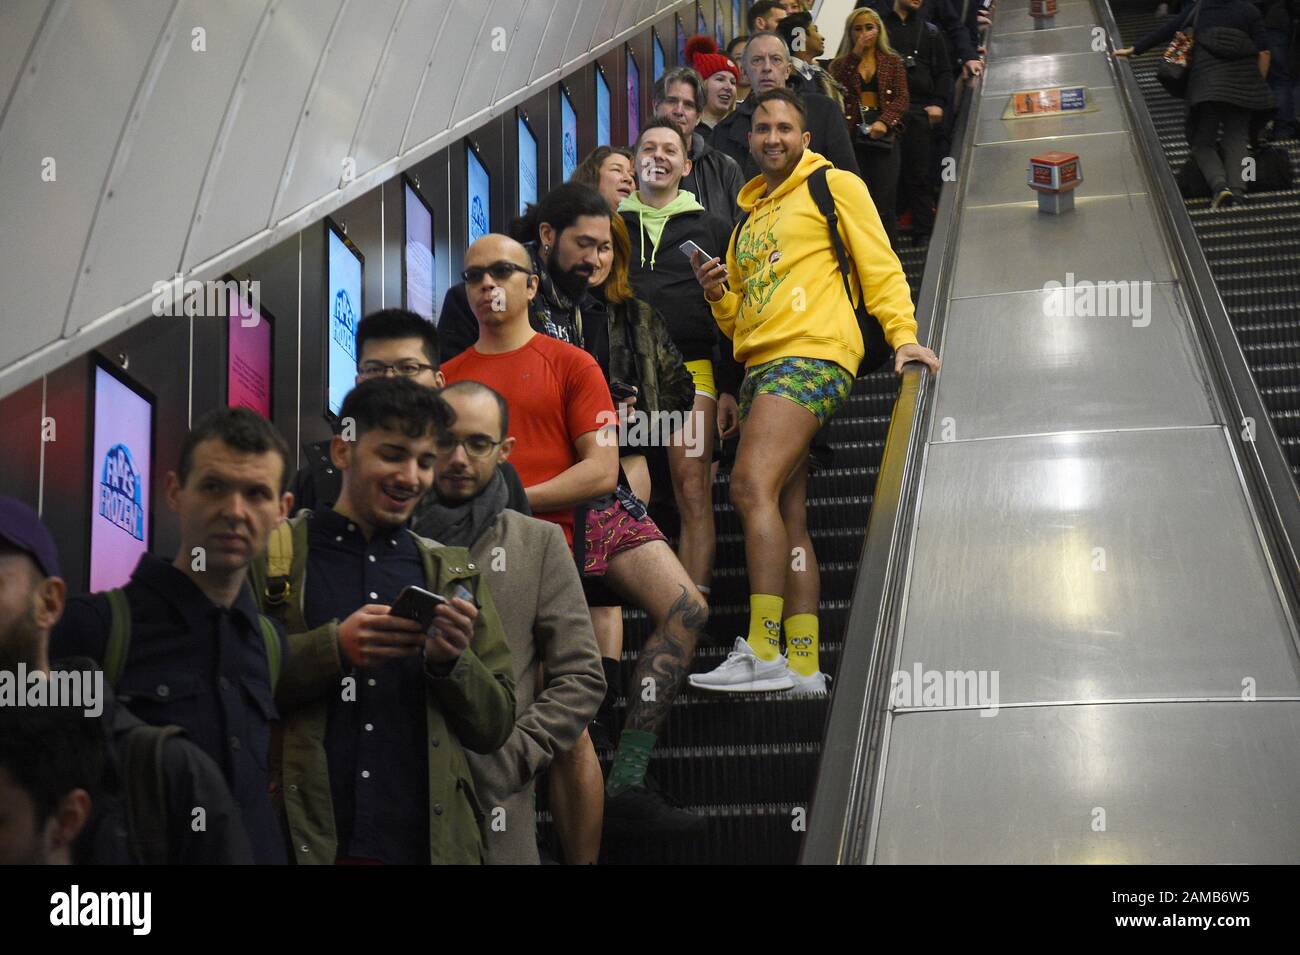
(1077, 636)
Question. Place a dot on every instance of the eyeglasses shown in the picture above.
(476, 445)
(500, 271)
(405, 369)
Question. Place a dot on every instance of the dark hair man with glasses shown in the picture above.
(539, 597)
(390, 342)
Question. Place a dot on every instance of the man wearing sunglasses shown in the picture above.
(391, 342)
(539, 597)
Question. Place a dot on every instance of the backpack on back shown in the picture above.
(119, 640)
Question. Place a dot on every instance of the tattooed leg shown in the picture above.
(651, 577)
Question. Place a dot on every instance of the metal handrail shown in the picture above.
(1267, 474)
(844, 795)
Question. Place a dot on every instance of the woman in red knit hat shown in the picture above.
(721, 77)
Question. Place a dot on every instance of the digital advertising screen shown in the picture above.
(681, 42)
(701, 25)
(342, 312)
(478, 199)
(248, 356)
(658, 53)
(602, 109)
(718, 33)
(737, 21)
(568, 135)
(527, 166)
(633, 99)
(120, 476)
(417, 253)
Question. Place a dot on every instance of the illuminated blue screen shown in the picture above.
(569, 140)
(602, 110)
(633, 100)
(478, 200)
(527, 166)
(658, 58)
(343, 311)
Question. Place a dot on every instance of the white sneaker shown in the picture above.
(816, 685)
(744, 672)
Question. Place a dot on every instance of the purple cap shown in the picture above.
(20, 527)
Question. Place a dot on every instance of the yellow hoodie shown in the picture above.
(784, 297)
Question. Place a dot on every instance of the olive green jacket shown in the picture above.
(471, 706)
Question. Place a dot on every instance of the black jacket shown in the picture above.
(318, 483)
(641, 350)
(957, 26)
(825, 122)
(670, 286)
(1225, 69)
(715, 179)
(929, 79)
(190, 779)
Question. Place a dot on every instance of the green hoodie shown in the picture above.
(654, 220)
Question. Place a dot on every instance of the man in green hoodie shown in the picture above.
(660, 217)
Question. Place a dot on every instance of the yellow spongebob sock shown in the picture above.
(801, 643)
(765, 625)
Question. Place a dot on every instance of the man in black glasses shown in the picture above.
(539, 597)
(391, 342)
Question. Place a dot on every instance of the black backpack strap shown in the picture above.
(821, 193)
(875, 347)
(146, 791)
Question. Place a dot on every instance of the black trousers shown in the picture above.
(914, 192)
(1226, 171)
(879, 169)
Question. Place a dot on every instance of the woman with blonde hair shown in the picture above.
(875, 107)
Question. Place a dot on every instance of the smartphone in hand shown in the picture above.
(418, 604)
(689, 249)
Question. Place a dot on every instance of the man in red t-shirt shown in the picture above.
(566, 453)
(559, 404)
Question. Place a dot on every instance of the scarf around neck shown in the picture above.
(461, 525)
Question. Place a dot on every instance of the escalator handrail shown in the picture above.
(1260, 458)
(847, 775)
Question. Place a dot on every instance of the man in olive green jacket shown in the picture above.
(353, 755)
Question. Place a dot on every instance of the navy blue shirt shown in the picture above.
(197, 665)
(375, 744)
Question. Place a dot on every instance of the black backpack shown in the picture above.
(144, 788)
(873, 336)
(1272, 173)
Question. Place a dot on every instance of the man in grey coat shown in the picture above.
(559, 681)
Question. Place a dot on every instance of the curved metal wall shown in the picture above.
(140, 139)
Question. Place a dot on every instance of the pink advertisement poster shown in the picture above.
(248, 372)
(120, 483)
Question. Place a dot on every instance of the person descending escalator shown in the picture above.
(1228, 102)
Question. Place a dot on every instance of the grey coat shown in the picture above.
(539, 598)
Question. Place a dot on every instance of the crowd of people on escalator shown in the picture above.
(382, 657)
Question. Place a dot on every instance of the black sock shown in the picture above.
(607, 714)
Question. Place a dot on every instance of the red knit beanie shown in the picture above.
(702, 53)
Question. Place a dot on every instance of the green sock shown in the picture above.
(630, 761)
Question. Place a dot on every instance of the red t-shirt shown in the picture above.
(556, 393)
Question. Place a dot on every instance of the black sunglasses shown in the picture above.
(500, 271)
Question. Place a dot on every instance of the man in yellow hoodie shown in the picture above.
(781, 299)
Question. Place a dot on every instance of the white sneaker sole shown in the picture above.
(753, 686)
